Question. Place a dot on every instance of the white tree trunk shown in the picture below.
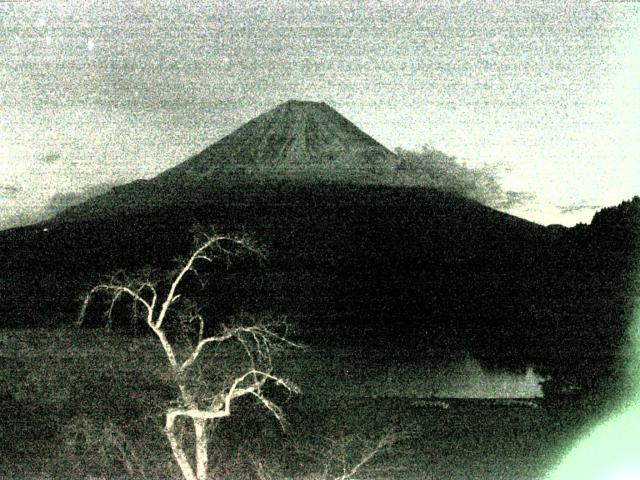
(202, 448)
(177, 450)
(202, 453)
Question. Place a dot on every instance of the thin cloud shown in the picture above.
(433, 168)
(513, 198)
(61, 201)
(57, 203)
(51, 157)
(576, 207)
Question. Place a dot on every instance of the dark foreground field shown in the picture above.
(79, 403)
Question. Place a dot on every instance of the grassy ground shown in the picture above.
(77, 403)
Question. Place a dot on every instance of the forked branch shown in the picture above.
(203, 252)
(262, 337)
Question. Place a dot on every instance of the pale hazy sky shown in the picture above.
(98, 92)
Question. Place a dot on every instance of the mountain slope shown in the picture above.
(300, 141)
(296, 141)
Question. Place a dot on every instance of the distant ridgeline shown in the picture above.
(349, 259)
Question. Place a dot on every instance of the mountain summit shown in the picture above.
(293, 134)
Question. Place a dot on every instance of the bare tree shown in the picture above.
(155, 307)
